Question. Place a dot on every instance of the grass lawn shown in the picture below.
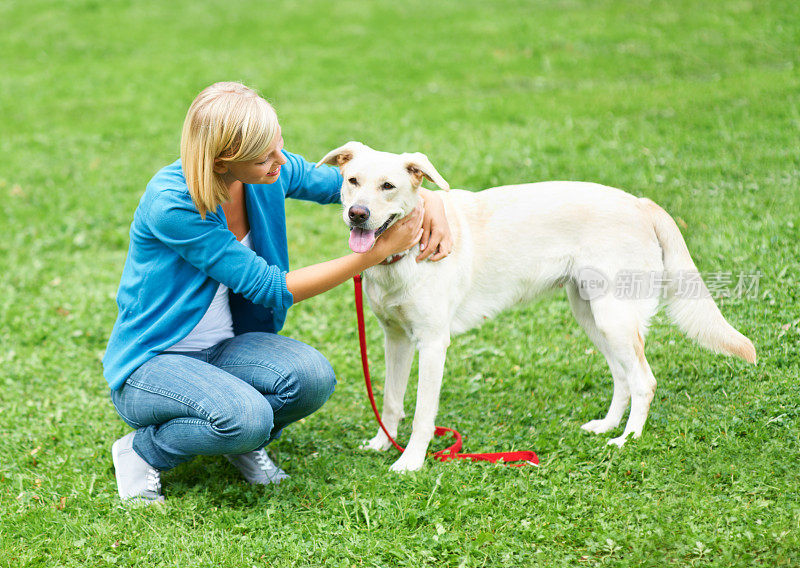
(693, 104)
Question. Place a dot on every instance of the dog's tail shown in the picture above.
(689, 303)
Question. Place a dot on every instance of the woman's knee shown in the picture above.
(325, 382)
(244, 423)
(315, 379)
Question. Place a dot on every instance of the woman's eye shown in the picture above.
(353, 181)
(387, 185)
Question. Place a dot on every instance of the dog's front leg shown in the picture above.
(399, 351)
(432, 354)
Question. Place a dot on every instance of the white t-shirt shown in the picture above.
(217, 323)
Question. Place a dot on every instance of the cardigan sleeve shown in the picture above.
(210, 247)
(311, 183)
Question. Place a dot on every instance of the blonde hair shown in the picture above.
(228, 121)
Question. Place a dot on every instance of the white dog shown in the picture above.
(510, 244)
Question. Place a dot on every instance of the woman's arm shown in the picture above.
(171, 218)
(436, 237)
(311, 280)
(308, 182)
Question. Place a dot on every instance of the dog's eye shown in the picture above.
(387, 185)
(353, 181)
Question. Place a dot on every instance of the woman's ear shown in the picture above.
(220, 166)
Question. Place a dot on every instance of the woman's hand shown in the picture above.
(436, 237)
(402, 235)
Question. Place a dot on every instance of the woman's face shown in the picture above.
(264, 169)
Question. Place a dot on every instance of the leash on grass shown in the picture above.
(454, 451)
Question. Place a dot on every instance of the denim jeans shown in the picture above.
(231, 398)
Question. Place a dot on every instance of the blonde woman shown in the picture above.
(194, 361)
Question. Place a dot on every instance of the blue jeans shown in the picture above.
(231, 398)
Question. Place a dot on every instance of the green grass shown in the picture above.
(695, 105)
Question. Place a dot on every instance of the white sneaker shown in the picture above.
(136, 479)
(257, 468)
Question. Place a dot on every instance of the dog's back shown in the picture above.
(514, 242)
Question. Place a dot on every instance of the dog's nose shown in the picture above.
(358, 214)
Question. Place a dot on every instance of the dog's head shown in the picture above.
(379, 188)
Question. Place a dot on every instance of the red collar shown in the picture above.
(392, 259)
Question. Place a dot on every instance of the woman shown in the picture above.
(194, 361)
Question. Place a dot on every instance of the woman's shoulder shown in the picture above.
(169, 177)
(167, 185)
(166, 192)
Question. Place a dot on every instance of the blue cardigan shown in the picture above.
(176, 261)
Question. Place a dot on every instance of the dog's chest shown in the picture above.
(395, 303)
(395, 316)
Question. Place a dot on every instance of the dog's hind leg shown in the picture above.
(643, 389)
(399, 352)
(582, 311)
(432, 353)
(622, 323)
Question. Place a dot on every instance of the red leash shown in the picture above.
(453, 452)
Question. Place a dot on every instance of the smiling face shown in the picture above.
(263, 170)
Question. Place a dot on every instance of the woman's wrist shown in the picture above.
(372, 257)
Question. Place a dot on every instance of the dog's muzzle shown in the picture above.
(361, 240)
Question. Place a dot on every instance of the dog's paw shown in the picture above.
(619, 442)
(407, 463)
(599, 426)
(379, 443)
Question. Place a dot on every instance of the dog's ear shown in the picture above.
(419, 166)
(342, 154)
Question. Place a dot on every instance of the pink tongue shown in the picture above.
(361, 240)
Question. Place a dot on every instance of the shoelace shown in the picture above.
(264, 462)
(153, 481)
